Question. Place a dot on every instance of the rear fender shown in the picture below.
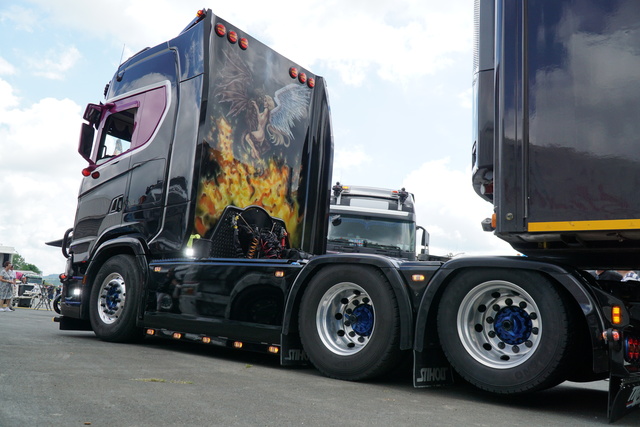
(427, 352)
(292, 352)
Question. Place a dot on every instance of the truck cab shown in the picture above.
(373, 220)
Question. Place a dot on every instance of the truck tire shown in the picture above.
(56, 303)
(506, 331)
(349, 323)
(113, 307)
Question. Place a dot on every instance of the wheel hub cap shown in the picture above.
(362, 320)
(513, 325)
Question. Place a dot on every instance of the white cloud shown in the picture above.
(345, 161)
(7, 100)
(6, 68)
(451, 212)
(15, 15)
(40, 176)
(55, 62)
(398, 41)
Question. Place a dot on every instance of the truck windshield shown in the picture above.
(373, 232)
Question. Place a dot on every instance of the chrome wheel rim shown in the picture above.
(499, 324)
(112, 297)
(345, 319)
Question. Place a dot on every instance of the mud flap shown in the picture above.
(291, 352)
(431, 368)
(624, 396)
(72, 324)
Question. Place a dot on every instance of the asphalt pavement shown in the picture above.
(50, 377)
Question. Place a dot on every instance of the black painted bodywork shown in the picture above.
(557, 135)
(556, 151)
(202, 124)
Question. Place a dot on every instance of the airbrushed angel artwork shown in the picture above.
(252, 155)
(268, 119)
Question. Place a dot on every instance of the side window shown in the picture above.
(117, 134)
(129, 123)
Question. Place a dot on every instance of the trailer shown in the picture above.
(555, 153)
(204, 209)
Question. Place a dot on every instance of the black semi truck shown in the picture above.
(204, 208)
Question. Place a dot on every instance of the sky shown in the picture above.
(398, 75)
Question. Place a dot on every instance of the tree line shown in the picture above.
(20, 264)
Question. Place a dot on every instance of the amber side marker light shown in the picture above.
(206, 340)
(151, 331)
(273, 349)
(279, 273)
(616, 315)
(237, 344)
(177, 335)
(418, 277)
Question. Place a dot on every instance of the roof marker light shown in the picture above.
(244, 43)
(311, 82)
(302, 77)
(293, 72)
(220, 29)
(232, 37)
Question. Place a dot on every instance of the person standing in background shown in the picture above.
(13, 288)
(6, 286)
